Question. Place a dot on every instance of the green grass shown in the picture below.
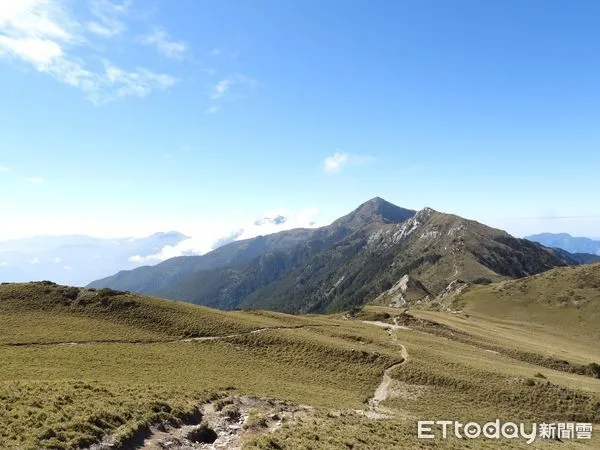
(566, 300)
(78, 365)
(124, 380)
(46, 313)
(555, 314)
(449, 380)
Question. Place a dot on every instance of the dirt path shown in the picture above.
(165, 341)
(230, 433)
(383, 391)
(388, 326)
(218, 431)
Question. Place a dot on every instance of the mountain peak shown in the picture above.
(375, 210)
(425, 212)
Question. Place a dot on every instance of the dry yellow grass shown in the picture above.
(59, 395)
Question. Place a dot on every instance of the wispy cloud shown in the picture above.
(109, 17)
(164, 44)
(4, 169)
(336, 162)
(233, 87)
(138, 83)
(221, 88)
(46, 35)
(34, 180)
(102, 30)
(221, 233)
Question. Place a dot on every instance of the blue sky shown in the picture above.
(126, 118)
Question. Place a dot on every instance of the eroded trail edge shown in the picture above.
(383, 391)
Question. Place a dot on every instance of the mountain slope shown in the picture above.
(566, 299)
(295, 245)
(431, 248)
(83, 367)
(377, 253)
(580, 258)
(150, 278)
(106, 315)
(567, 242)
(428, 251)
(229, 286)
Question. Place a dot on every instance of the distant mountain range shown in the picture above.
(76, 260)
(567, 242)
(378, 252)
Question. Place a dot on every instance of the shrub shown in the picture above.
(255, 420)
(232, 412)
(108, 292)
(593, 370)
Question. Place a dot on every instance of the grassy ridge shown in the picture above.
(450, 380)
(565, 299)
(71, 393)
(68, 395)
(73, 413)
(45, 312)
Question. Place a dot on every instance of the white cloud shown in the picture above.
(4, 169)
(34, 261)
(108, 15)
(221, 88)
(39, 52)
(56, 260)
(139, 83)
(234, 87)
(336, 162)
(36, 19)
(164, 45)
(69, 268)
(46, 35)
(4, 264)
(217, 234)
(34, 180)
(101, 30)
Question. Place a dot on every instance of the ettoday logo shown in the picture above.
(430, 429)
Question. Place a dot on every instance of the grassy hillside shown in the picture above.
(79, 365)
(566, 300)
(45, 312)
